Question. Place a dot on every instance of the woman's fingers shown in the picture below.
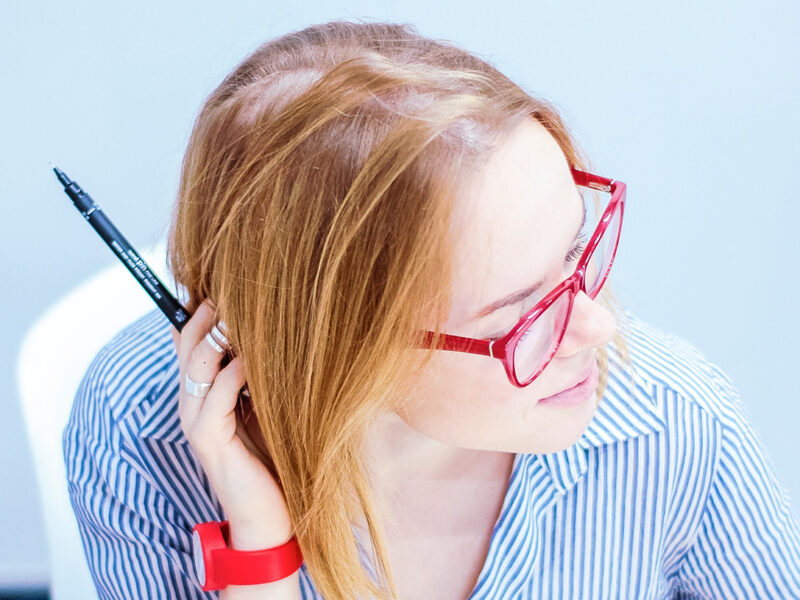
(244, 484)
(194, 330)
(214, 425)
(198, 359)
(203, 368)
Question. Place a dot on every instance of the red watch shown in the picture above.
(218, 566)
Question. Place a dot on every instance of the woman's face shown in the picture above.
(514, 229)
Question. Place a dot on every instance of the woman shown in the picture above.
(355, 200)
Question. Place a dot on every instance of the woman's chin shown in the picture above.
(559, 427)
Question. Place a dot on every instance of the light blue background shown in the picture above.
(693, 104)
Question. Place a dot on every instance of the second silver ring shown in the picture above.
(198, 389)
(210, 339)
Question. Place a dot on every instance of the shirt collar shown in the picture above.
(160, 419)
(628, 409)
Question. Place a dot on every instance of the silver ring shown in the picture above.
(196, 388)
(220, 337)
(210, 339)
(223, 328)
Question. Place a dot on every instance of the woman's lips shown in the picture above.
(578, 394)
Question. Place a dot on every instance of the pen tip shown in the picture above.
(62, 177)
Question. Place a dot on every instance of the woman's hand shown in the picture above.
(253, 501)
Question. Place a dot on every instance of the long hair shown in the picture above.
(313, 208)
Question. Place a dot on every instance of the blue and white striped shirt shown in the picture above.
(667, 494)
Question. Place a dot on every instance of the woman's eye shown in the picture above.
(576, 251)
(573, 255)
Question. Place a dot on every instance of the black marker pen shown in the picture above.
(173, 310)
(168, 304)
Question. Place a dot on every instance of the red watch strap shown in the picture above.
(251, 567)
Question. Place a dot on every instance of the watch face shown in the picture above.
(197, 554)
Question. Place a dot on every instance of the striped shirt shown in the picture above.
(667, 494)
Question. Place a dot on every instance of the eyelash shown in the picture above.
(573, 255)
(576, 251)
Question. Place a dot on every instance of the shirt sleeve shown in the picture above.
(135, 542)
(748, 541)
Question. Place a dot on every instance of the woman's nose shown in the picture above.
(590, 325)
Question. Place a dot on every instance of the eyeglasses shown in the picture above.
(529, 347)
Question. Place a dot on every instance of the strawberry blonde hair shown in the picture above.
(313, 207)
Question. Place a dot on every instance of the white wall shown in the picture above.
(693, 105)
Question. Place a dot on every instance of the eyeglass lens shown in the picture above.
(539, 342)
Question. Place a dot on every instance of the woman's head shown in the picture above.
(327, 192)
(514, 225)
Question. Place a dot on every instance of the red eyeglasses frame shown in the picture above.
(503, 348)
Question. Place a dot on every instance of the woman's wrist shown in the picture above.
(256, 534)
(251, 534)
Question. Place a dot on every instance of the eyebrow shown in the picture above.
(520, 295)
